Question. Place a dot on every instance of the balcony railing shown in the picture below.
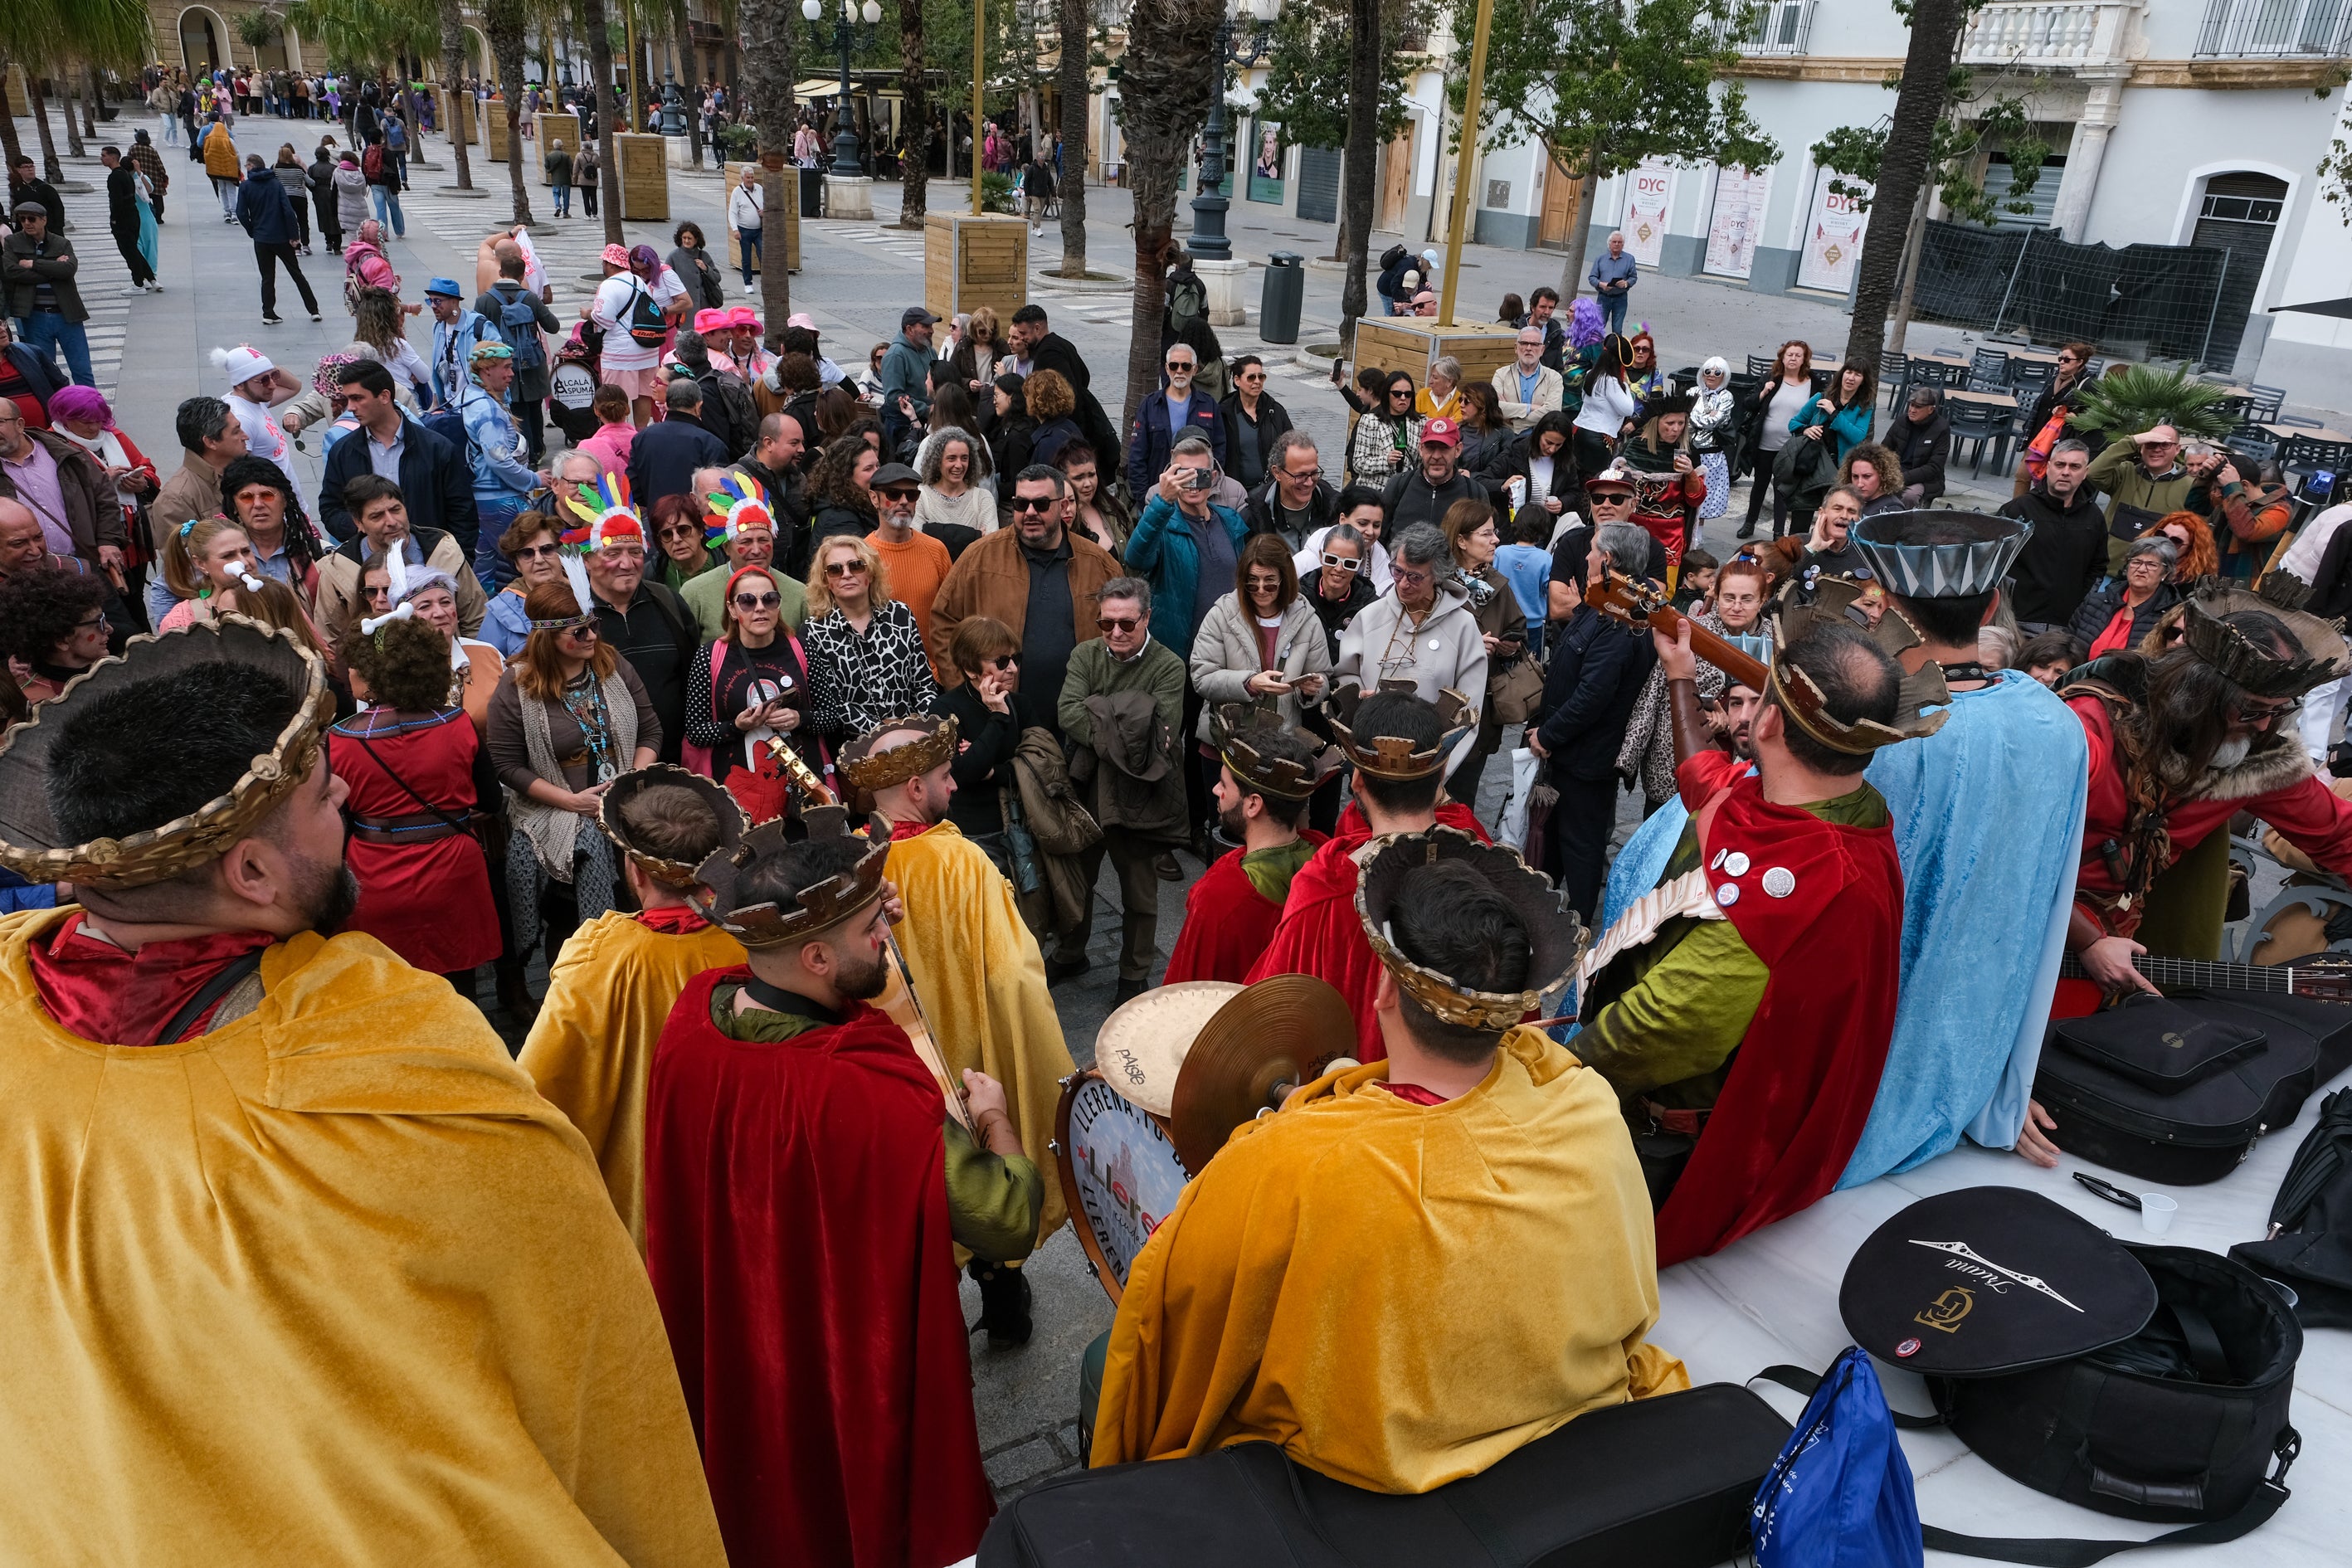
(2276, 30)
(1777, 28)
(2036, 36)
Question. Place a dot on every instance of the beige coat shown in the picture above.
(1226, 653)
(1523, 415)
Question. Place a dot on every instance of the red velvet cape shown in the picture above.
(1801, 1085)
(1227, 923)
(796, 1228)
(1452, 813)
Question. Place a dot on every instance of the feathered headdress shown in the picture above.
(739, 502)
(604, 513)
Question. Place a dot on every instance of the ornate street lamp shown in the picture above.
(847, 35)
(672, 107)
(1209, 242)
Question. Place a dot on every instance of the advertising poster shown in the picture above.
(1833, 233)
(1264, 150)
(1739, 199)
(1646, 192)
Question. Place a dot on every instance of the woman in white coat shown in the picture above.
(1262, 641)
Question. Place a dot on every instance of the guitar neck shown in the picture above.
(1739, 666)
(800, 773)
(2190, 974)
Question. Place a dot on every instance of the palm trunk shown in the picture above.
(73, 121)
(505, 48)
(1359, 163)
(93, 105)
(682, 33)
(1914, 243)
(1075, 39)
(1902, 169)
(1169, 77)
(608, 109)
(1580, 225)
(453, 72)
(915, 114)
(768, 40)
(9, 143)
(52, 170)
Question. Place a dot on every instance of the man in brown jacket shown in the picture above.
(210, 439)
(1042, 580)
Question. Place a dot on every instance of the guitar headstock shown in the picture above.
(1627, 599)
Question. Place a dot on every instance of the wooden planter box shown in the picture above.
(644, 177)
(458, 115)
(769, 236)
(552, 128)
(1410, 343)
(494, 121)
(971, 261)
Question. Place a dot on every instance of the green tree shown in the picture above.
(1309, 89)
(1602, 85)
(1166, 79)
(368, 34)
(1968, 125)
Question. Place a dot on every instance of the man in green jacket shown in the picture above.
(2144, 475)
(1145, 771)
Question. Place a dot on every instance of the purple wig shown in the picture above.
(1584, 324)
(82, 403)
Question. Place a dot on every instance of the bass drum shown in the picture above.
(572, 389)
(1119, 1173)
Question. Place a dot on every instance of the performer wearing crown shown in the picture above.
(1267, 774)
(590, 1048)
(1742, 1008)
(805, 1186)
(302, 1267)
(974, 968)
(1399, 745)
(1424, 1263)
(2183, 738)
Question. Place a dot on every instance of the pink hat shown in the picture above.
(801, 318)
(616, 255)
(741, 317)
(709, 322)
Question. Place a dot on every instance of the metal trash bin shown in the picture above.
(1286, 292)
(812, 192)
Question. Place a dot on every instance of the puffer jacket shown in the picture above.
(1445, 652)
(1226, 653)
(221, 159)
(351, 195)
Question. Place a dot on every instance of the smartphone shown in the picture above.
(1199, 478)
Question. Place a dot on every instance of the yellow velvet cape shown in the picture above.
(981, 981)
(592, 1048)
(331, 1285)
(1400, 1295)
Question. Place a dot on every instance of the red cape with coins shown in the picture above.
(796, 1228)
(1227, 923)
(1822, 906)
(1319, 934)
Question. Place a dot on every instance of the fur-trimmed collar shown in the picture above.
(2276, 760)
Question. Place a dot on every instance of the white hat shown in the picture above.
(242, 364)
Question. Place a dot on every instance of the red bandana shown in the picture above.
(909, 830)
(1414, 1094)
(97, 991)
(671, 919)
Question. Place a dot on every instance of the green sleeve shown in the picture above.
(2106, 469)
(994, 1201)
(1168, 692)
(1077, 685)
(1683, 1018)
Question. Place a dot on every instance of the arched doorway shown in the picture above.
(479, 61)
(202, 41)
(2239, 213)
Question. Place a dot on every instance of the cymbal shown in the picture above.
(1140, 1049)
(1275, 1035)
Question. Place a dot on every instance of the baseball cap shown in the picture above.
(445, 286)
(1612, 477)
(1440, 432)
(616, 255)
(916, 315)
(893, 474)
(801, 318)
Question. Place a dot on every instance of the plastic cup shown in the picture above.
(2156, 1211)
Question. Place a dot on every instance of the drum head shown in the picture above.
(572, 385)
(1119, 1173)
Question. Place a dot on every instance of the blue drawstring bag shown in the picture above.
(1840, 1494)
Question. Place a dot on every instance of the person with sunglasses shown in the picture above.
(1255, 422)
(866, 656)
(1386, 435)
(530, 543)
(1173, 412)
(1338, 586)
(987, 658)
(746, 692)
(1292, 499)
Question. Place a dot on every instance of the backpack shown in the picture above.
(1840, 1494)
(1393, 257)
(450, 426)
(395, 136)
(649, 328)
(372, 163)
(1188, 302)
(518, 326)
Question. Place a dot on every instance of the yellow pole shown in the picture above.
(1469, 154)
(979, 37)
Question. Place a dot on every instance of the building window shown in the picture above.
(2271, 29)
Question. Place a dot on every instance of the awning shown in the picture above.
(2340, 308)
(819, 87)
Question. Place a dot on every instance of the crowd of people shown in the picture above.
(774, 702)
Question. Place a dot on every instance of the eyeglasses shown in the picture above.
(1117, 622)
(1342, 563)
(1266, 580)
(1034, 503)
(1531, 343)
(1180, 365)
(1313, 473)
(97, 622)
(1399, 574)
(844, 569)
(1005, 661)
(590, 631)
(1399, 391)
(682, 531)
(758, 601)
(1252, 375)
(2248, 711)
(533, 551)
(900, 494)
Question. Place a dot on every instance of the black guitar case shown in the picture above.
(2252, 1059)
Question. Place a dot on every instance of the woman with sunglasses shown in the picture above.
(568, 718)
(1339, 585)
(1387, 434)
(747, 690)
(866, 661)
(1262, 641)
(677, 530)
(987, 730)
(530, 542)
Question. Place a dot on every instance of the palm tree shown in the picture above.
(1076, 40)
(452, 73)
(682, 41)
(1355, 167)
(768, 42)
(9, 144)
(504, 21)
(600, 83)
(58, 35)
(1166, 79)
(915, 168)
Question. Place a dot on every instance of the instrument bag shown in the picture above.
(1664, 1482)
(2177, 1088)
(2151, 1382)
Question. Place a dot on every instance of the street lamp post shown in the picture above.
(1209, 241)
(847, 35)
(672, 107)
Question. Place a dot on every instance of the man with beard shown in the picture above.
(259, 1168)
(806, 1184)
(1266, 773)
(974, 965)
(2180, 744)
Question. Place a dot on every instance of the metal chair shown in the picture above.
(2237, 409)
(1989, 371)
(2251, 442)
(1894, 376)
(1761, 365)
(2267, 401)
(2030, 378)
(2302, 456)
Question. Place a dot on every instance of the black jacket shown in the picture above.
(436, 483)
(2065, 555)
(1408, 499)
(122, 198)
(1262, 511)
(1335, 615)
(659, 637)
(39, 190)
(1922, 449)
(1055, 353)
(1597, 668)
(1273, 419)
(665, 455)
(2091, 616)
(983, 762)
